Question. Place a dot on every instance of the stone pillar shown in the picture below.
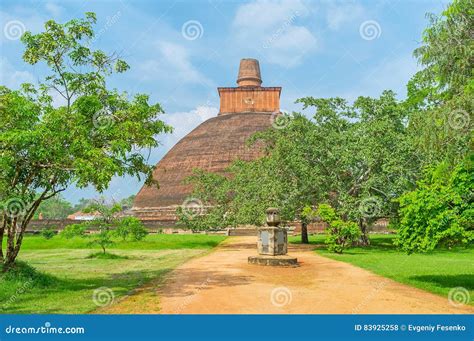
(272, 243)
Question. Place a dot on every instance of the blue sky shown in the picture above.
(180, 51)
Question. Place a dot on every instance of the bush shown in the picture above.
(440, 212)
(102, 239)
(74, 230)
(131, 227)
(341, 234)
(48, 232)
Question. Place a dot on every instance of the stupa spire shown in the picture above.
(249, 73)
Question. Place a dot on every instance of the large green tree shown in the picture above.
(441, 96)
(441, 102)
(354, 157)
(96, 134)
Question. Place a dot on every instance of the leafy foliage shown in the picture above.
(55, 208)
(130, 227)
(440, 211)
(440, 96)
(341, 234)
(48, 233)
(74, 230)
(94, 135)
(344, 155)
(103, 238)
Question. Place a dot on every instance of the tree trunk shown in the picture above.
(2, 232)
(304, 232)
(10, 255)
(364, 238)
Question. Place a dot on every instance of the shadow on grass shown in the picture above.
(377, 243)
(448, 281)
(24, 284)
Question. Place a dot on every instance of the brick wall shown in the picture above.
(253, 99)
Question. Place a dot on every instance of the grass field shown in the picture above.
(438, 271)
(58, 276)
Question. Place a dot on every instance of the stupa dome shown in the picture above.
(213, 145)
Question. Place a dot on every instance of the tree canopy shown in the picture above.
(94, 134)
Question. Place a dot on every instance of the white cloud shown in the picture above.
(54, 9)
(272, 29)
(12, 78)
(184, 122)
(341, 12)
(172, 64)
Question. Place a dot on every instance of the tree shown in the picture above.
(355, 157)
(341, 234)
(106, 212)
(440, 211)
(127, 202)
(55, 208)
(83, 203)
(440, 95)
(74, 230)
(440, 102)
(103, 238)
(130, 227)
(95, 135)
(365, 160)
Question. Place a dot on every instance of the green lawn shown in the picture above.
(60, 278)
(438, 271)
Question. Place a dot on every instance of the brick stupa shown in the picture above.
(213, 145)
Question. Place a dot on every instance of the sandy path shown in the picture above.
(223, 283)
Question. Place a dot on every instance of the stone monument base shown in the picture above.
(283, 260)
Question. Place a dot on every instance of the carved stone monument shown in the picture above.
(272, 243)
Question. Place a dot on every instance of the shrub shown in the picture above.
(341, 233)
(48, 232)
(103, 238)
(74, 230)
(131, 227)
(440, 212)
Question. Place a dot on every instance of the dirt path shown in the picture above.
(223, 283)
